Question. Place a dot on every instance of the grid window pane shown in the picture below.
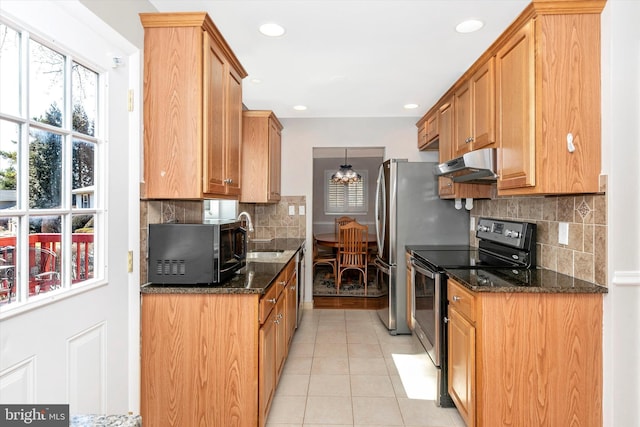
(45, 170)
(82, 250)
(82, 174)
(46, 84)
(9, 70)
(8, 259)
(84, 92)
(45, 253)
(9, 144)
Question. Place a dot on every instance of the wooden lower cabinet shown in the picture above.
(214, 359)
(267, 383)
(525, 359)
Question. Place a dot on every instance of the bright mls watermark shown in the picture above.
(34, 415)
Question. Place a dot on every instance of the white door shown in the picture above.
(80, 347)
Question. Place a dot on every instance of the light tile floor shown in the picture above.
(345, 369)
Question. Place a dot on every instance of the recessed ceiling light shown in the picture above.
(469, 26)
(410, 106)
(256, 81)
(272, 29)
(300, 107)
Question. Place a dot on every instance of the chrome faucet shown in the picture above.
(246, 215)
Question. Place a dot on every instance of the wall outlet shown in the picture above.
(563, 233)
(472, 224)
(301, 210)
(292, 210)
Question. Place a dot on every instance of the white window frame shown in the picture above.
(345, 209)
(23, 301)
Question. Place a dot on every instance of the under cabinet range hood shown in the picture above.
(477, 166)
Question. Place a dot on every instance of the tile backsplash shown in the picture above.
(273, 220)
(585, 255)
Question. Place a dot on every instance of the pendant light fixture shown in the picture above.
(345, 174)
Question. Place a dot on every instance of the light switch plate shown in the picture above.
(472, 224)
(292, 210)
(563, 233)
(301, 210)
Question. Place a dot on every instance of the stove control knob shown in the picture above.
(483, 228)
(512, 233)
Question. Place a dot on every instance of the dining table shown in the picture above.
(332, 239)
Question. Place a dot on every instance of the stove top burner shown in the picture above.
(502, 244)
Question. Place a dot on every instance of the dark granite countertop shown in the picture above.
(538, 280)
(254, 278)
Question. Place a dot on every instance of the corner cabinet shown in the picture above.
(261, 157)
(192, 109)
(525, 359)
(548, 101)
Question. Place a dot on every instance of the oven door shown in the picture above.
(426, 309)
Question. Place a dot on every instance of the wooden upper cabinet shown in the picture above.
(461, 142)
(548, 104)
(516, 110)
(192, 109)
(261, 157)
(428, 131)
(534, 95)
(475, 111)
(483, 106)
(447, 189)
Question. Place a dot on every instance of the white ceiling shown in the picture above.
(352, 58)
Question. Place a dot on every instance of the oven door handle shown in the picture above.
(421, 269)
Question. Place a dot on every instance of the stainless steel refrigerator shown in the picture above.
(410, 212)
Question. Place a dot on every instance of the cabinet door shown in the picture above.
(462, 120)
(233, 141)
(432, 127)
(275, 161)
(281, 335)
(483, 95)
(445, 184)
(462, 371)
(515, 91)
(267, 366)
(214, 106)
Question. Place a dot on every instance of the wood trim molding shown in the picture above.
(626, 278)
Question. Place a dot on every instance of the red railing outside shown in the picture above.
(44, 262)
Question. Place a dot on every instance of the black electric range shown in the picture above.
(503, 246)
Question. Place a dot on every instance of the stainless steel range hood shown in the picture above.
(477, 166)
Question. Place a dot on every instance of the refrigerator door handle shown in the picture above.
(380, 200)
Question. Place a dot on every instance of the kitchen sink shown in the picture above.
(269, 256)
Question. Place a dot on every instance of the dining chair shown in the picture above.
(352, 251)
(323, 258)
(342, 221)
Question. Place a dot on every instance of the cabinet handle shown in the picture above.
(456, 298)
(276, 321)
(283, 283)
(446, 320)
(272, 300)
(228, 181)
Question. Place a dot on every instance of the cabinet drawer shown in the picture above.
(461, 299)
(268, 301)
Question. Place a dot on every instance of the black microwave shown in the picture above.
(197, 254)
